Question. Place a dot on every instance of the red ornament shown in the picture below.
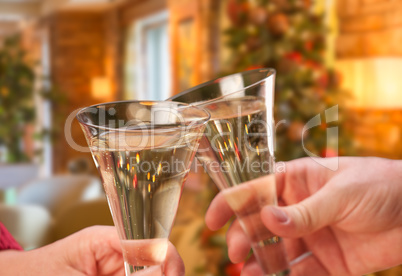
(294, 56)
(308, 45)
(237, 11)
(206, 234)
(307, 3)
(234, 269)
(254, 67)
(312, 64)
(289, 62)
(328, 152)
(320, 92)
(323, 80)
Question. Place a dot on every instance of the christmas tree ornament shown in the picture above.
(308, 45)
(252, 30)
(294, 56)
(278, 50)
(316, 19)
(303, 4)
(311, 64)
(253, 67)
(316, 74)
(295, 131)
(282, 4)
(323, 79)
(278, 24)
(258, 15)
(287, 94)
(319, 41)
(298, 19)
(4, 91)
(253, 43)
(243, 48)
(291, 33)
(271, 8)
(306, 35)
(307, 3)
(237, 11)
(285, 65)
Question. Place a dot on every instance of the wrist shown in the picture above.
(13, 262)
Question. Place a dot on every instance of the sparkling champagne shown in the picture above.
(142, 177)
(236, 150)
(235, 146)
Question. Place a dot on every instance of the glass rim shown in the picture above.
(271, 72)
(194, 123)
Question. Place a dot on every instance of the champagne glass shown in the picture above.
(237, 152)
(143, 151)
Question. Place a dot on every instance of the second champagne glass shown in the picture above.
(237, 152)
(143, 151)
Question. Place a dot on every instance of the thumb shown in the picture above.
(303, 218)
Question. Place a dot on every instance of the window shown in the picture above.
(147, 63)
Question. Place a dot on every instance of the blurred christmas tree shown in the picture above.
(17, 102)
(289, 36)
(17, 111)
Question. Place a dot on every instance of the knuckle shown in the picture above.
(305, 217)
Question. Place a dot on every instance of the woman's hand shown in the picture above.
(350, 219)
(92, 251)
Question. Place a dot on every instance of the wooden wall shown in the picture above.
(378, 132)
(369, 28)
(372, 29)
(135, 9)
(203, 46)
(81, 48)
(85, 45)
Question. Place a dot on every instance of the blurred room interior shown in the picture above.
(68, 54)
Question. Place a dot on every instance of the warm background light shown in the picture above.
(373, 82)
(101, 88)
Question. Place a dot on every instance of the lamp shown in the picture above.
(101, 88)
(374, 82)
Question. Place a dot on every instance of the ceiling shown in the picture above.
(13, 13)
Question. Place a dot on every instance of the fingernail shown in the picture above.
(280, 215)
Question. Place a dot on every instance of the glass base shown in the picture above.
(130, 269)
(269, 241)
(154, 269)
(271, 256)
